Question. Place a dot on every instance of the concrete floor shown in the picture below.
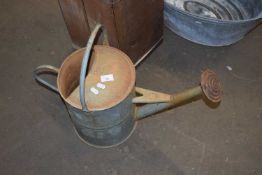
(37, 136)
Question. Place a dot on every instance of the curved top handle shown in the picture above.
(260, 16)
(84, 65)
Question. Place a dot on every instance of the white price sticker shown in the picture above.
(105, 78)
(100, 85)
(94, 90)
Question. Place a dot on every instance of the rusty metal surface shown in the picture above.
(211, 86)
(68, 76)
(105, 60)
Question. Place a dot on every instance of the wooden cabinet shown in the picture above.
(133, 26)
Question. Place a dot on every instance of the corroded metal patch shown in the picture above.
(211, 86)
(105, 60)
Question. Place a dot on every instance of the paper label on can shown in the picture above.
(105, 78)
(94, 90)
(100, 85)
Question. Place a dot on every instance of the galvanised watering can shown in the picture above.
(102, 104)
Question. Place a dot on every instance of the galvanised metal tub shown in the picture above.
(212, 22)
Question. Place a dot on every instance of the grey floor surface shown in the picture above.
(37, 136)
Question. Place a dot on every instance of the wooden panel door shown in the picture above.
(75, 18)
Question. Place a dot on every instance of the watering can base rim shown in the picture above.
(109, 146)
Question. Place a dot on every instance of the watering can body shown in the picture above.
(105, 128)
(108, 117)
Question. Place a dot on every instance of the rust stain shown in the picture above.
(211, 86)
(105, 60)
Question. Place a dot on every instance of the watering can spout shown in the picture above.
(209, 88)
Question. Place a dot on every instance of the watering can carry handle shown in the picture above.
(45, 69)
(84, 65)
